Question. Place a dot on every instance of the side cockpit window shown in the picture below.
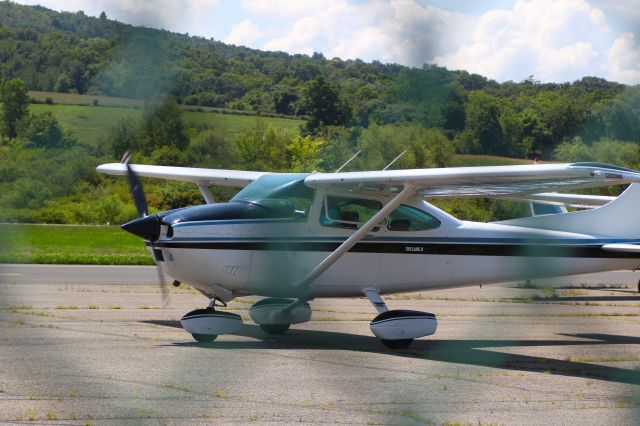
(352, 213)
(347, 212)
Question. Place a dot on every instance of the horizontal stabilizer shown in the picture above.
(622, 248)
(570, 200)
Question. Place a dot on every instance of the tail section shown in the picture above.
(618, 219)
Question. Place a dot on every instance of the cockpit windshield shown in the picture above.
(281, 192)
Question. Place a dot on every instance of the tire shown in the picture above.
(397, 344)
(274, 329)
(204, 338)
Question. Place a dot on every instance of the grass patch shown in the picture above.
(32, 415)
(71, 244)
(89, 123)
(176, 387)
(467, 160)
(220, 394)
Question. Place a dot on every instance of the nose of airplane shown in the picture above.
(147, 227)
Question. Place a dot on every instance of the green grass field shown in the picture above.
(75, 99)
(71, 244)
(91, 123)
(469, 160)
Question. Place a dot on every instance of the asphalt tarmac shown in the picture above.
(92, 345)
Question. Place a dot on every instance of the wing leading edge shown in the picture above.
(488, 181)
(219, 177)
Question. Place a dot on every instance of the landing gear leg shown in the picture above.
(378, 303)
(376, 300)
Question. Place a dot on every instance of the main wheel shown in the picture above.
(275, 329)
(397, 344)
(204, 338)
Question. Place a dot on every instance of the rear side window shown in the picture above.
(540, 209)
(406, 218)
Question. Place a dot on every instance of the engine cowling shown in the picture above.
(400, 324)
(269, 312)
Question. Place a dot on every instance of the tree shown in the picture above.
(15, 104)
(163, 126)
(482, 121)
(303, 154)
(324, 105)
(122, 136)
(44, 131)
(424, 147)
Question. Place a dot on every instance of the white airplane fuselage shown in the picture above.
(268, 257)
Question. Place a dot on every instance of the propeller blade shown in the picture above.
(137, 192)
(164, 288)
(146, 226)
(136, 188)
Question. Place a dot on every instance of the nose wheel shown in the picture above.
(204, 338)
(206, 324)
(397, 344)
(274, 329)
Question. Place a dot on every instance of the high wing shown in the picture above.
(219, 177)
(488, 181)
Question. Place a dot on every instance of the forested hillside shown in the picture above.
(343, 106)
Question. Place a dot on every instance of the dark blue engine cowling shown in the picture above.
(148, 227)
(266, 209)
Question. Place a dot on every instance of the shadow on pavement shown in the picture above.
(468, 352)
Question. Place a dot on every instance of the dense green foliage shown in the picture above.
(72, 52)
(14, 100)
(439, 117)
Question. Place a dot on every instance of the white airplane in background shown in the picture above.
(292, 238)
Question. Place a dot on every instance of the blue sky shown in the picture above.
(552, 40)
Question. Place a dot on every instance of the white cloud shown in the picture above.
(623, 59)
(244, 33)
(554, 41)
(392, 31)
(290, 8)
(184, 16)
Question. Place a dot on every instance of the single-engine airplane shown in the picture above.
(292, 238)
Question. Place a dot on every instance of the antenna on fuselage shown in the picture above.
(348, 161)
(395, 159)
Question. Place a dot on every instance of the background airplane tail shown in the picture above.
(619, 218)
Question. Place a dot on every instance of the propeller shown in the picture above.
(146, 221)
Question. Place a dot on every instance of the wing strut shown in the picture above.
(206, 193)
(357, 236)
